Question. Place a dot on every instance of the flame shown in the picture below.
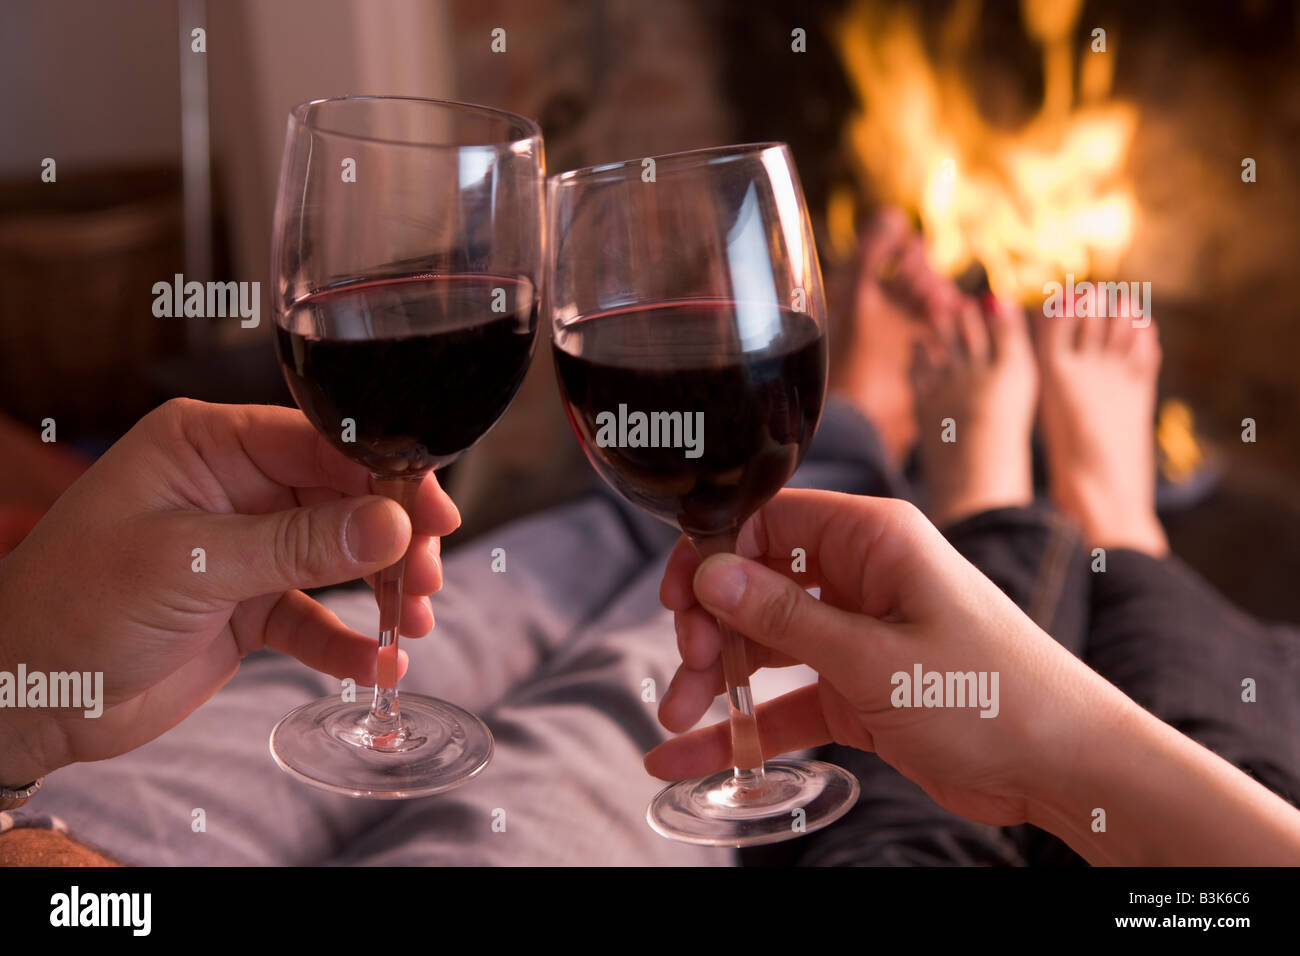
(1180, 453)
(1031, 204)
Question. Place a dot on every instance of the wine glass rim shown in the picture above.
(704, 156)
(531, 131)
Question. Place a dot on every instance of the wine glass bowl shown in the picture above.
(406, 261)
(688, 331)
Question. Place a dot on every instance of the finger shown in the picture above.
(258, 452)
(689, 696)
(251, 555)
(697, 684)
(799, 563)
(792, 722)
(316, 496)
(433, 512)
(875, 556)
(301, 628)
(675, 591)
(417, 616)
(875, 553)
(699, 642)
(772, 610)
(423, 569)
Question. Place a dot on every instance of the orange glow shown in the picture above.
(1030, 204)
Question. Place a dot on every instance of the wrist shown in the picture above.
(1142, 794)
(20, 760)
(26, 747)
(22, 732)
(1095, 754)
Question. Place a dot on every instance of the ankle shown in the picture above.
(976, 477)
(1147, 538)
(1107, 522)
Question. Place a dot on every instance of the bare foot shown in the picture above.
(894, 288)
(1095, 415)
(873, 376)
(976, 384)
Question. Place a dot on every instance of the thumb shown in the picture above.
(774, 611)
(304, 547)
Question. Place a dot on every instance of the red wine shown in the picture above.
(422, 365)
(749, 381)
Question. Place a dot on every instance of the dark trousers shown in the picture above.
(1150, 626)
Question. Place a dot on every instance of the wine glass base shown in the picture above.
(794, 797)
(327, 744)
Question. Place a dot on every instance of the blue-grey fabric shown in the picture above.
(553, 653)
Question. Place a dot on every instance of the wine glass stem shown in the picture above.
(746, 748)
(384, 722)
(385, 714)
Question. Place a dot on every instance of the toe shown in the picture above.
(1007, 329)
(973, 331)
(1119, 335)
(1053, 334)
(883, 241)
(923, 370)
(1145, 352)
(1091, 334)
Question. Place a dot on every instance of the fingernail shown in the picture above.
(371, 532)
(388, 666)
(721, 581)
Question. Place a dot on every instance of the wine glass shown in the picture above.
(406, 259)
(688, 329)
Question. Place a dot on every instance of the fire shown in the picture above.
(1031, 204)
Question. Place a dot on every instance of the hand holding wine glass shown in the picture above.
(248, 485)
(892, 592)
(688, 330)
